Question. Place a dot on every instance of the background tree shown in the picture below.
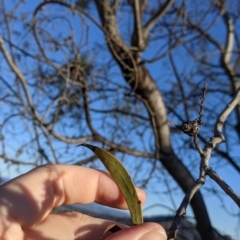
(117, 74)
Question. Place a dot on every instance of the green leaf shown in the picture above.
(123, 180)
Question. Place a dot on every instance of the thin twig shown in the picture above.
(204, 165)
(225, 187)
(195, 141)
(200, 112)
(173, 230)
(191, 128)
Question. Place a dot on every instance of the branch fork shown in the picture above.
(191, 129)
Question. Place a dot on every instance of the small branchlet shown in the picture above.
(191, 127)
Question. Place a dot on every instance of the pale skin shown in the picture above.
(26, 203)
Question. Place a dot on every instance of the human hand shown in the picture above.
(26, 203)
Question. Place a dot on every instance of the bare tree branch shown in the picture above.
(123, 98)
(205, 169)
(138, 31)
(161, 12)
(225, 187)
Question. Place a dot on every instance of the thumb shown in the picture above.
(145, 231)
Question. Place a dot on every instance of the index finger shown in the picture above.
(31, 197)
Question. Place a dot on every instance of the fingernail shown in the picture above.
(154, 235)
(110, 230)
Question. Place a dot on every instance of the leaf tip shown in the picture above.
(91, 147)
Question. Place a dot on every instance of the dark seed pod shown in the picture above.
(190, 128)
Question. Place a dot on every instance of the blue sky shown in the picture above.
(222, 221)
